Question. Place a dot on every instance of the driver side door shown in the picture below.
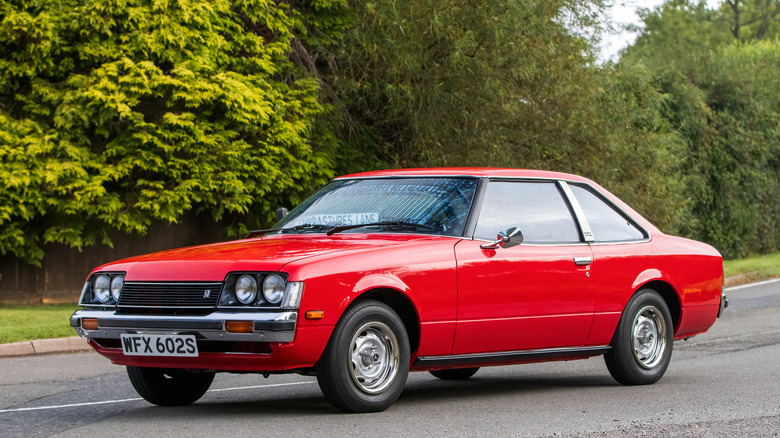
(535, 295)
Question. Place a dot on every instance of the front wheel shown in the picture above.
(169, 387)
(642, 344)
(366, 362)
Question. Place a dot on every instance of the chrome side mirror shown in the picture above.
(281, 212)
(505, 239)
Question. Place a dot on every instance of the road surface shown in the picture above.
(722, 383)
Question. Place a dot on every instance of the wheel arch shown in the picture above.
(401, 305)
(670, 296)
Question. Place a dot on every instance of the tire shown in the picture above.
(642, 344)
(366, 362)
(455, 374)
(169, 387)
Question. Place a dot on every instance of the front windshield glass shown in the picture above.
(437, 205)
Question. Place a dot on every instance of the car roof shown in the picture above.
(470, 171)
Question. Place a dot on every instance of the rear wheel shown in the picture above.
(642, 344)
(366, 363)
(455, 374)
(169, 387)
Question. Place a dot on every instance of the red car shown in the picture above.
(382, 273)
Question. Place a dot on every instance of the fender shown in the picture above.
(377, 281)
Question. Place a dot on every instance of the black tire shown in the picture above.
(169, 387)
(455, 374)
(642, 344)
(366, 362)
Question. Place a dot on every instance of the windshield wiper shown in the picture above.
(255, 233)
(313, 227)
(399, 224)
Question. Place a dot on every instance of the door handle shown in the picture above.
(583, 261)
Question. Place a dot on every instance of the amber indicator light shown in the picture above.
(239, 326)
(315, 314)
(89, 324)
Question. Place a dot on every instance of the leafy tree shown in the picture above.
(721, 88)
(117, 113)
(497, 83)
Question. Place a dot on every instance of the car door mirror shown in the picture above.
(505, 239)
(281, 212)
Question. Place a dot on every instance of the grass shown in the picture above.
(754, 268)
(26, 323)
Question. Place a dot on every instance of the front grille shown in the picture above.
(170, 295)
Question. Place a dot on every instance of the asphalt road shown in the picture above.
(723, 383)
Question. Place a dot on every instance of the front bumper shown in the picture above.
(267, 326)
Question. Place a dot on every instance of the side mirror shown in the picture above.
(505, 239)
(281, 212)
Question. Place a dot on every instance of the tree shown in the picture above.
(721, 89)
(497, 83)
(117, 113)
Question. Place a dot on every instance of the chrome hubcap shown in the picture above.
(649, 336)
(375, 357)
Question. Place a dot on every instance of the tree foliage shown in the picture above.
(721, 88)
(497, 83)
(117, 113)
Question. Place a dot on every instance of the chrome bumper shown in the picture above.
(724, 302)
(268, 326)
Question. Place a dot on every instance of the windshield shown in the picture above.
(437, 205)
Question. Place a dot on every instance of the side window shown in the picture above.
(607, 224)
(537, 208)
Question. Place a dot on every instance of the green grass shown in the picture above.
(26, 323)
(754, 268)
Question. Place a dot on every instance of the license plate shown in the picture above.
(159, 345)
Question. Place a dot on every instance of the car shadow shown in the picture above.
(478, 387)
(417, 392)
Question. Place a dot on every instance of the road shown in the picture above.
(723, 383)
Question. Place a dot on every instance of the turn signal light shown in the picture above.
(89, 324)
(315, 314)
(239, 326)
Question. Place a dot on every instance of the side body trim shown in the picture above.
(510, 356)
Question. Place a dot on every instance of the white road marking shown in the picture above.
(760, 283)
(275, 385)
(105, 402)
(73, 405)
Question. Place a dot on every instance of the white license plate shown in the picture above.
(159, 345)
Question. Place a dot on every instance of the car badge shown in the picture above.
(207, 293)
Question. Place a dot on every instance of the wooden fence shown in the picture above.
(64, 270)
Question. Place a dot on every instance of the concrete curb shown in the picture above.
(73, 344)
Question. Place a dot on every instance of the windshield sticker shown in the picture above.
(339, 219)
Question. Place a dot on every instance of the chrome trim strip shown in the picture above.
(579, 214)
(510, 356)
(268, 326)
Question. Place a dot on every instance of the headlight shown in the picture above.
(246, 289)
(273, 288)
(116, 286)
(102, 284)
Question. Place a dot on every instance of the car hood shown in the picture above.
(270, 253)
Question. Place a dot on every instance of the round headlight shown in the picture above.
(116, 286)
(246, 289)
(273, 288)
(102, 283)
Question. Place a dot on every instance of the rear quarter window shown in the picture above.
(607, 223)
